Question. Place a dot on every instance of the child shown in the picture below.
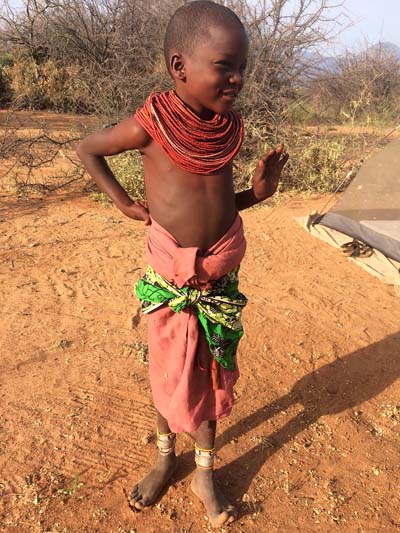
(188, 138)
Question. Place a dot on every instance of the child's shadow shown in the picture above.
(333, 388)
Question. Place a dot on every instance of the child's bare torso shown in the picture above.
(196, 209)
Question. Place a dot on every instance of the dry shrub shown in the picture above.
(5, 88)
(319, 159)
(113, 46)
(316, 164)
(24, 80)
(49, 85)
(365, 86)
(128, 169)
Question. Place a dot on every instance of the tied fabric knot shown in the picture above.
(190, 296)
(218, 309)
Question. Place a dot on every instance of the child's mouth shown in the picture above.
(231, 97)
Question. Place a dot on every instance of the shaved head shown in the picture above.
(190, 25)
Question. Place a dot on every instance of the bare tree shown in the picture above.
(103, 57)
(105, 54)
(115, 47)
(283, 36)
(363, 85)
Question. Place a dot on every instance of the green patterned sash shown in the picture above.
(218, 309)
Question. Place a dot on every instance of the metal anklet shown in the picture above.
(204, 458)
(166, 443)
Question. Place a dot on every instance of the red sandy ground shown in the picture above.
(313, 441)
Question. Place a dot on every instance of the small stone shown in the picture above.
(145, 439)
(64, 343)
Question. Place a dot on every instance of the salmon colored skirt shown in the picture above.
(179, 359)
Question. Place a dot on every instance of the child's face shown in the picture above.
(213, 72)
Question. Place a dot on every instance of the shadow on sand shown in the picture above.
(11, 208)
(335, 387)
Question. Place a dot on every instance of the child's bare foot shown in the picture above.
(219, 510)
(146, 491)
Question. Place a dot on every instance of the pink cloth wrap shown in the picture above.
(179, 358)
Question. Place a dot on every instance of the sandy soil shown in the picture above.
(313, 441)
(59, 122)
(357, 129)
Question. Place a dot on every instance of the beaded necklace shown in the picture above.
(196, 145)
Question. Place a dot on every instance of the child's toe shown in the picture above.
(139, 504)
(220, 520)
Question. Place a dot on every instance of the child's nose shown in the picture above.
(236, 78)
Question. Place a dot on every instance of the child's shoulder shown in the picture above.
(139, 132)
(130, 134)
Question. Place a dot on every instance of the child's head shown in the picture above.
(205, 50)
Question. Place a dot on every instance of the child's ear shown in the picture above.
(177, 67)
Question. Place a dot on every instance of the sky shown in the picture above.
(370, 21)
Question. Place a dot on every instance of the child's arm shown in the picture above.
(265, 180)
(127, 135)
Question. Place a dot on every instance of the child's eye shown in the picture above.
(223, 64)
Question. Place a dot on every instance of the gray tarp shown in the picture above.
(378, 264)
(369, 209)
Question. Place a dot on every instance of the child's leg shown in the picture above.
(219, 511)
(147, 490)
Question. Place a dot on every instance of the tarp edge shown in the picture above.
(385, 244)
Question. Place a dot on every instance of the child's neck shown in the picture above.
(204, 114)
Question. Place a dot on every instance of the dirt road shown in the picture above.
(313, 441)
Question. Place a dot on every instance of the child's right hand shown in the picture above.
(138, 210)
(268, 173)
